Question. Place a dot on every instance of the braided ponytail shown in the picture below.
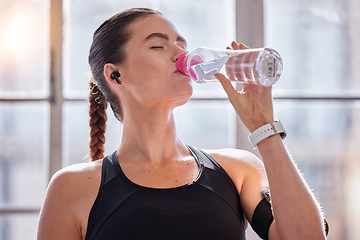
(97, 122)
(108, 47)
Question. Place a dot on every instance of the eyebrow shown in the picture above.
(166, 37)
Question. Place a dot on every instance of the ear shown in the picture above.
(109, 68)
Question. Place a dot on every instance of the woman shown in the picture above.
(154, 186)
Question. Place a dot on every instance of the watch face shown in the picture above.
(265, 192)
(283, 135)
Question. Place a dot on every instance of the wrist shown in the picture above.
(257, 122)
(266, 131)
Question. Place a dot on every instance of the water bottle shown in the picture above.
(259, 65)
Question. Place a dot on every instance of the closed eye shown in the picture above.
(157, 47)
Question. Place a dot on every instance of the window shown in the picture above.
(24, 114)
(318, 99)
(44, 85)
(80, 22)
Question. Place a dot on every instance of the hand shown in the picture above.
(253, 103)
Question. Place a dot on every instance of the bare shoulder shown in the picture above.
(77, 172)
(68, 201)
(230, 157)
(239, 164)
(76, 183)
(75, 179)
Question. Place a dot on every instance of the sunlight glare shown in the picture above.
(18, 34)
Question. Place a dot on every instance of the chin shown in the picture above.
(184, 97)
(180, 103)
(188, 91)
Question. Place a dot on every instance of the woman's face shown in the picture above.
(149, 71)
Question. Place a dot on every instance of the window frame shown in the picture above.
(252, 33)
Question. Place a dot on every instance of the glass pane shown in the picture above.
(23, 153)
(323, 138)
(318, 41)
(214, 27)
(76, 133)
(206, 124)
(209, 23)
(24, 48)
(18, 226)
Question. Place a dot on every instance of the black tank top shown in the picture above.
(207, 208)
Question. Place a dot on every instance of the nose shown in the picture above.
(178, 52)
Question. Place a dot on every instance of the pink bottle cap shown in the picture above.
(181, 64)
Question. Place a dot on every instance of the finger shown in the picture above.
(250, 56)
(229, 67)
(239, 61)
(235, 46)
(246, 59)
(240, 74)
(226, 84)
(243, 46)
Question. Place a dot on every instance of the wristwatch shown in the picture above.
(266, 131)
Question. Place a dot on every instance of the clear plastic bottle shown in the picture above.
(259, 66)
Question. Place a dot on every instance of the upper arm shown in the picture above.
(248, 174)
(254, 180)
(57, 216)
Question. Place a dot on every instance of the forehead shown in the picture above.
(143, 27)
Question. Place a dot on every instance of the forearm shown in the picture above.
(296, 212)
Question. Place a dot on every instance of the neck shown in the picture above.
(151, 136)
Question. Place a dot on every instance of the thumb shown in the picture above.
(226, 84)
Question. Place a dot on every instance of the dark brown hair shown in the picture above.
(107, 47)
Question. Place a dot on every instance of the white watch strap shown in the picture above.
(266, 131)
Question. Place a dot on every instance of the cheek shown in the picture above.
(148, 69)
(146, 78)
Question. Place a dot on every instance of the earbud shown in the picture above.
(116, 75)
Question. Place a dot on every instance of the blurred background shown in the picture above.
(43, 89)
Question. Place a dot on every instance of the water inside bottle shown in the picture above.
(261, 67)
(205, 71)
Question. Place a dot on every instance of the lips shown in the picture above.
(177, 71)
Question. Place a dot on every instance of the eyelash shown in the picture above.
(157, 47)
